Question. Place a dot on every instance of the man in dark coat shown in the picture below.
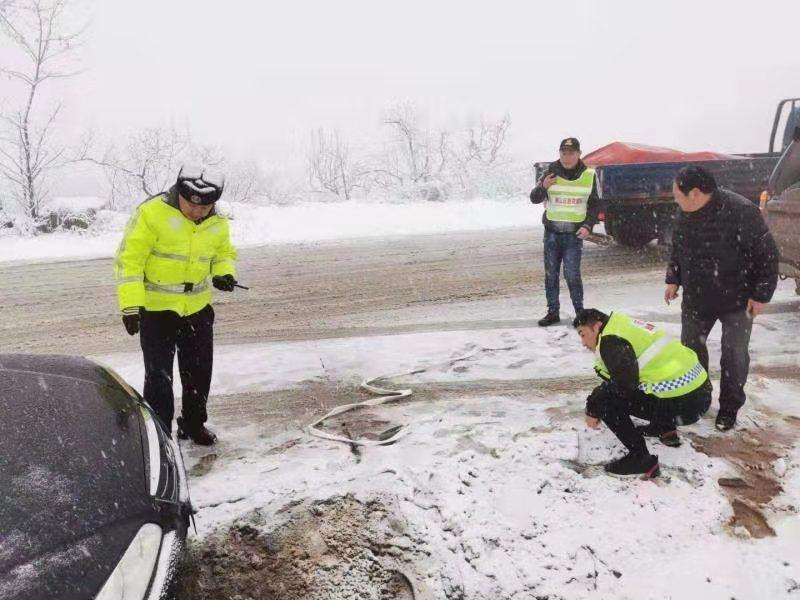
(726, 260)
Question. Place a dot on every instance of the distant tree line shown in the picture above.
(409, 160)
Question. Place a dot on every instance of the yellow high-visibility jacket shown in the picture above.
(667, 368)
(166, 262)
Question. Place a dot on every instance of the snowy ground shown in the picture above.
(305, 222)
(496, 492)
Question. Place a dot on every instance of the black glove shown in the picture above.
(223, 282)
(131, 322)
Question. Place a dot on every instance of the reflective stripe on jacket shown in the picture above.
(166, 262)
(667, 368)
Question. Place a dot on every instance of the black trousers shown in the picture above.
(616, 409)
(161, 333)
(735, 359)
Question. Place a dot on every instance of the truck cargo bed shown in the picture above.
(652, 182)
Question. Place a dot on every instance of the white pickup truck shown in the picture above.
(781, 204)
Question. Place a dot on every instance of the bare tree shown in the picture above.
(385, 169)
(245, 182)
(429, 162)
(330, 166)
(143, 165)
(149, 161)
(251, 182)
(476, 155)
(37, 30)
(485, 141)
(418, 154)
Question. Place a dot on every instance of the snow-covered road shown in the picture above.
(496, 492)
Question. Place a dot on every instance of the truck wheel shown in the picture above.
(665, 224)
(633, 236)
(632, 227)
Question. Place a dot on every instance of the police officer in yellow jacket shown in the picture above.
(175, 247)
(646, 374)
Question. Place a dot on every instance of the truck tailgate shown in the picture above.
(783, 217)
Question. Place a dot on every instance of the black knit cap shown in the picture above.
(694, 176)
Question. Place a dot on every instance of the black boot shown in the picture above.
(726, 419)
(634, 464)
(666, 434)
(199, 435)
(551, 318)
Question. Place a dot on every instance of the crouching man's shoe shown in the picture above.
(634, 464)
(551, 318)
(726, 419)
(670, 438)
(199, 435)
(665, 434)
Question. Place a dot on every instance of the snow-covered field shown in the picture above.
(496, 491)
(305, 222)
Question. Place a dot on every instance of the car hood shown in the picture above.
(71, 461)
(75, 571)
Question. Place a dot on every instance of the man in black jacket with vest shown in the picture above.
(726, 260)
(569, 191)
(629, 390)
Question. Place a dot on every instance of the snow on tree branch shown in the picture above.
(39, 34)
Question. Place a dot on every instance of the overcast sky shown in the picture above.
(255, 77)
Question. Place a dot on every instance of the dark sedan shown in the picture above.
(93, 495)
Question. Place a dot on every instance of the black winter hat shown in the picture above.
(694, 176)
(199, 187)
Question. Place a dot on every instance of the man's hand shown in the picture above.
(224, 283)
(755, 308)
(671, 292)
(131, 322)
(592, 423)
(548, 181)
(583, 233)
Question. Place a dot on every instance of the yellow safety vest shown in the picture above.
(667, 368)
(567, 201)
(165, 261)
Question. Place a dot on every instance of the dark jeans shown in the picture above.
(162, 332)
(566, 248)
(617, 408)
(735, 359)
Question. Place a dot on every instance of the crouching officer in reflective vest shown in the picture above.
(646, 374)
(175, 247)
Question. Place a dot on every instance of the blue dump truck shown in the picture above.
(637, 196)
